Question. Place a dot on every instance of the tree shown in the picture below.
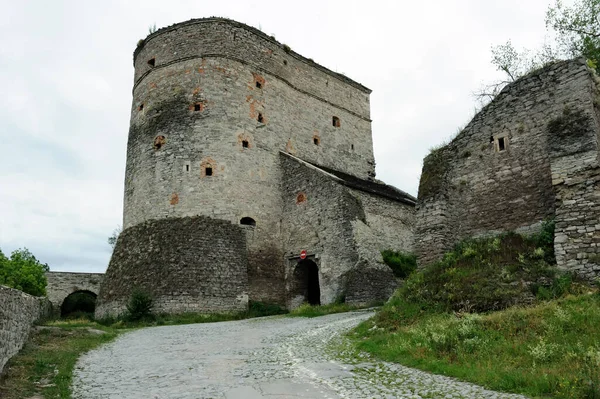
(112, 240)
(23, 272)
(576, 32)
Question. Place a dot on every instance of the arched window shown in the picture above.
(248, 221)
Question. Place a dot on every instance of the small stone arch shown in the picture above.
(83, 301)
(248, 221)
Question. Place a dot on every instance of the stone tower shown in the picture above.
(214, 104)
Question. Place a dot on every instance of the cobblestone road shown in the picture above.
(276, 358)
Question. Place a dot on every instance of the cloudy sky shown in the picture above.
(66, 77)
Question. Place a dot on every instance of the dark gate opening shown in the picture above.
(307, 281)
(78, 303)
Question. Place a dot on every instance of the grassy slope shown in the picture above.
(551, 348)
(45, 365)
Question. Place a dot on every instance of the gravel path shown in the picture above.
(274, 357)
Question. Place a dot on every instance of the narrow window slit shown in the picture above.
(501, 144)
(245, 143)
(258, 85)
(260, 118)
(316, 140)
(152, 62)
(208, 171)
(336, 121)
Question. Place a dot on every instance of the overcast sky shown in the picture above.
(66, 76)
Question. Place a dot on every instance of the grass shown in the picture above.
(45, 365)
(307, 310)
(495, 312)
(548, 350)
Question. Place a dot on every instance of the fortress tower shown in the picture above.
(241, 154)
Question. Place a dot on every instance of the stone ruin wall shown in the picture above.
(468, 188)
(190, 264)
(331, 222)
(18, 313)
(200, 100)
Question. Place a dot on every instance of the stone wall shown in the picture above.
(330, 222)
(18, 313)
(190, 264)
(62, 284)
(472, 187)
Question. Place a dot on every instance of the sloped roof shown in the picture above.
(369, 186)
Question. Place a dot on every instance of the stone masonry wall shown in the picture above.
(470, 188)
(576, 177)
(61, 285)
(191, 264)
(18, 313)
(327, 220)
(391, 222)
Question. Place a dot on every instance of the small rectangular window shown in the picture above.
(245, 143)
(152, 62)
(336, 121)
(501, 144)
(258, 85)
(187, 167)
(196, 107)
(260, 118)
(208, 171)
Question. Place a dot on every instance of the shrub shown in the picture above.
(260, 309)
(140, 305)
(402, 264)
(24, 272)
(490, 274)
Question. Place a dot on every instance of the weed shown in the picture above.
(402, 264)
(139, 306)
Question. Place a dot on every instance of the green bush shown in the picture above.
(260, 309)
(402, 264)
(24, 272)
(140, 305)
(490, 274)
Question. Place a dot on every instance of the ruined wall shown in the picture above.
(471, 188)
(61, 285)
(18, 313)
(327, 220)
(576, 177)
(190, 264)
(391, 222)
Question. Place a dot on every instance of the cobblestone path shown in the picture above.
(275, 357)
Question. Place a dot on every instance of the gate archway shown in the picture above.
(306, 281)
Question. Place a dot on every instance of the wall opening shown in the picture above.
(208, 171)
(187, 167)
(197, 107)
(245, 143)
(284, 62)
(258, 85)
(248, 221)
(141, 107)
(152, 62)
(260, 118)
(336, 121)
(316, 141)
(501, 144)
(78, 302)
(159, 141)
(352, 147)
(306, 281)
